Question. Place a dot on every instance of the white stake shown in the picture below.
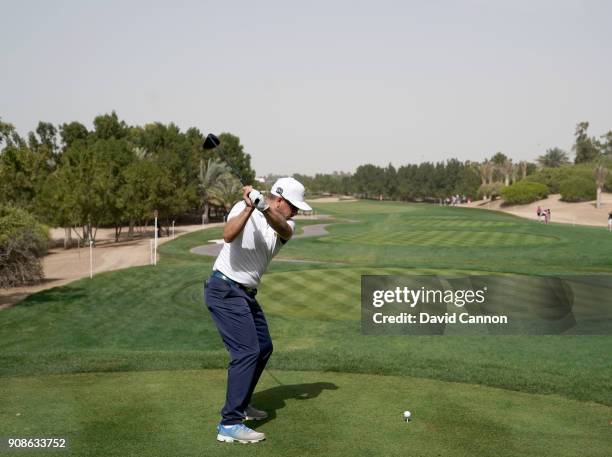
(150, 252)
(90, 259)
(155, 250)
(172, 229)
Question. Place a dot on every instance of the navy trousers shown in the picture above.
(244, 330)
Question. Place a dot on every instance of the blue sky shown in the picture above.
(319, 86)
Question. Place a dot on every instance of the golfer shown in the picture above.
(253, 234)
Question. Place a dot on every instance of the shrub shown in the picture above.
(578, 189)
(524, 192)
(608, 183)
(492, 190)
(23, 240)
(552, 177)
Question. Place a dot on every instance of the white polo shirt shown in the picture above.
(247, 257)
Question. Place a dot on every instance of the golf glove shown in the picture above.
(258, 200)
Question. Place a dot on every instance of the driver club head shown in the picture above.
(211, 141)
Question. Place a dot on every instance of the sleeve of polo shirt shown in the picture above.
(238, 207)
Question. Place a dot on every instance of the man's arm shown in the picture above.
(278, 222)
(235, 225)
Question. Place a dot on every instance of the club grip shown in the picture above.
(255, 197)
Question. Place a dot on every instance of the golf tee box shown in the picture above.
(486, 305)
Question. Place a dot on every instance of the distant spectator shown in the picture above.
(610, 221)
(548, 215)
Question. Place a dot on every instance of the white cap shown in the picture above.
(292, 191)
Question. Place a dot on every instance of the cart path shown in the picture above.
(213, 250)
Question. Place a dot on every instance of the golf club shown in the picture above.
(212, 141)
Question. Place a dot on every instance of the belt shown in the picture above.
(218, 274)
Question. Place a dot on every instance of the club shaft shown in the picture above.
(230, 165)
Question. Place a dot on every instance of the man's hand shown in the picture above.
(246, 190)
(258, 200)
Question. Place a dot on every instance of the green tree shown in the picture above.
(553, 158)
(586, 148)
(211, 175)
(606, 144)
(232, 153)
(499, 158)
(111, 156)
(9, 136)
(507, 170)
(107, 126)
(51, 202)
(502, 168)
(23, 170)
(142, 181)
(486, 170)
(369, 181)
(523, 164)
(178, 154)
(71, 132)
(47, 136)
(55, 205)
(389, 182)
(225, 192)
(82, 178)
(468, 180)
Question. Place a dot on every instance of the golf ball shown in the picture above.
(407, 415)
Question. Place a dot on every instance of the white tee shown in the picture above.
(247, 258)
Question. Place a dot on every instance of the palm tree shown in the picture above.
(506, 169)
(209, 177)
(226, 191)
(523, 165)
(486, 170)
(553, 158)
(516, 168)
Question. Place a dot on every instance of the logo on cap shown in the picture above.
(279, 190)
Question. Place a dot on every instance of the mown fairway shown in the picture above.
(129, 363)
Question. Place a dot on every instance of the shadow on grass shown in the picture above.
(57, 294)
(271, 400)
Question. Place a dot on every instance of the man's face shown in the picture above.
(286, 208)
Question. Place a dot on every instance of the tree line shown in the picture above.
(116, 175)
(486, 179)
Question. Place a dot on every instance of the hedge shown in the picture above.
(524, 192)
(578, 189)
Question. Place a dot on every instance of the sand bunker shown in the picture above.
(583, 213)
